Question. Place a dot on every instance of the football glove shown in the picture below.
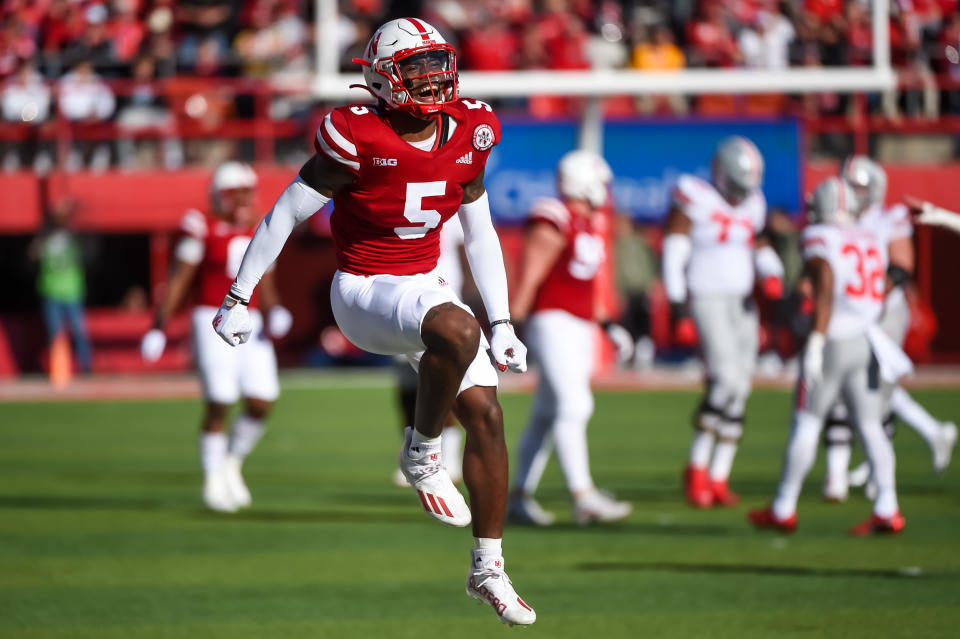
(813, 359)
(507, 349)
(279, 321)
(622, 340)
(772, 287)
(684, 330)
(232, 321)
(152, 345)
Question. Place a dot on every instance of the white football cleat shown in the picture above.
(235, 484)
(216, 493)
(835, 490)
(425, 472)
(399, 480)
(597, 506)
(527, 510)
(488, 583)
(860, 475)
(943, 446)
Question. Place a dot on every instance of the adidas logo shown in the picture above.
(466, 158)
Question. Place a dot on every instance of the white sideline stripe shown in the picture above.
(336, 156)
(335, 135)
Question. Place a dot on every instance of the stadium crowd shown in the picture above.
(162, 66)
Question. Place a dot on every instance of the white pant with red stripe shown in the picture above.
(383, 313)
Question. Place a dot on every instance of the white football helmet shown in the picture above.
(832, 202)
(410, 67)
(868, 179)
(584, 175)
(231, 176)
(737, 168)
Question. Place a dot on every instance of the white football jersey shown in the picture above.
(892, 222)
(722, 235)
(858, 259)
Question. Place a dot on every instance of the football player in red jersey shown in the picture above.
(397, 170)
(563, 254)
(209, 251)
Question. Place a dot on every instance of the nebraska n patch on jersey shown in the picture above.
(387, 221)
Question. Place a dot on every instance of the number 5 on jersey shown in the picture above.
(413, 209)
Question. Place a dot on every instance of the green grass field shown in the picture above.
(102, 534)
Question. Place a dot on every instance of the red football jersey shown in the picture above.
(569, 286)
(387, 221)
(223, 247)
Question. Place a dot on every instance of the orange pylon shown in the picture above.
(61, 361)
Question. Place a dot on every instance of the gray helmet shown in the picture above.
(867, 178)
(832, 202)
(737, 168)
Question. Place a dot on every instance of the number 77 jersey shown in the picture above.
(387, 221)
(858, 259)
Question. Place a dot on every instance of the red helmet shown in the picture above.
(409, 66)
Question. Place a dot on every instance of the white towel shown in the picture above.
(893, 362)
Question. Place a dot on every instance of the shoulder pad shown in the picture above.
(478, 116)
(194, 223)
(335, 138)
(552, 210)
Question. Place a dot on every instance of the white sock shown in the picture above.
(797, 461)
(570, 440)
(915, 415)
(213, 451)
(488, 544)
(451, 447)
(425, 444)
(702, 448)
(723, 454)
(879, 451)
(838, 463)
(244, 435)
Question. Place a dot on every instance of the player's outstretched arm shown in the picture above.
(482, 246)
(318, 180)
(155, 341)
(933, 215)
(544, 245)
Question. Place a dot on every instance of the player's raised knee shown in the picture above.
(451, 329)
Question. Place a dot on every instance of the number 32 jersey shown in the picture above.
(722, 235)
(858, 259)
(387, 221)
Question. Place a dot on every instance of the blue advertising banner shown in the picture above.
(647, 157)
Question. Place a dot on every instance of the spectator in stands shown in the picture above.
(87, 102)
(765, 44)
(94, 43)
(659, 54)
(26, 105)
(145, 112)
(126, 31)
(275, 42)
(490, 46)
(711, 41)
(200, 21)
(16, 44)
(60, 281)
